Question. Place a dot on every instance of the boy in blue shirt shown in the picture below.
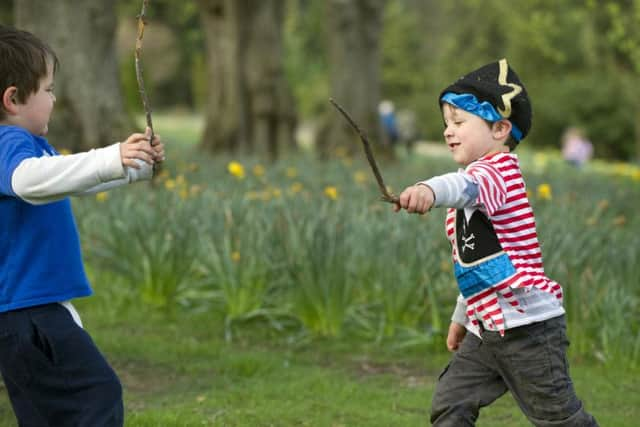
(53, 372)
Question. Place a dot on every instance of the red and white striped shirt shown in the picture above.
(502, 198)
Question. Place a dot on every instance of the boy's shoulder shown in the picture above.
(11, 131)
(17, 143)
(498, 168)
(10, 134)
(497, 161)
(11, 137)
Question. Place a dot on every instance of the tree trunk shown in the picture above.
(223, 127)
(271, 103)
(89, 110)
(250, 105)
(354, 57)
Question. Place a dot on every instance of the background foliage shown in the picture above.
(579, 60)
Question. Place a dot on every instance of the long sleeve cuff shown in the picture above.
(460, 312)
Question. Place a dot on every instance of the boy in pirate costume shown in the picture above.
(508, 330)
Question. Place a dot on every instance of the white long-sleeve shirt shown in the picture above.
(40, 180)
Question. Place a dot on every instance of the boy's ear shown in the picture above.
(502, 129)
(9, 99)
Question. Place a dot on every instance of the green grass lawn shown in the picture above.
(179, 371)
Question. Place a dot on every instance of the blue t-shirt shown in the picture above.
(40, 256)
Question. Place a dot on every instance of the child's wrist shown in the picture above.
(433, 193)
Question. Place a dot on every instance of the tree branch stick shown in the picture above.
(386, 195)
(143, 93)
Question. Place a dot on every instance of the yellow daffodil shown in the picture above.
(252, 195)
(291, 172)
(258, 195)
(102, 196)
(544, 192)
(170, 184)
(258, 170)
(341, 152)
(295, 188)
(235, 256)
(331, 192)
(164, 174)
(195, 190)
(445, 266)
(360, 177)
(236, 169)
(620, 220)
(540, 161)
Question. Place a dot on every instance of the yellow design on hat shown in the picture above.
(507, 97)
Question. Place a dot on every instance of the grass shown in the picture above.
(180, 371)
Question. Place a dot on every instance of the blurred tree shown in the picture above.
(250, 105)
(354, 30)
(223, 109)
(89, 108)
(566, 51)
(6, 12)
(305, 55)
(623, 36)
(414, 41)
(173, 53)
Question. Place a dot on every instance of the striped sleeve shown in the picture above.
(492, 189)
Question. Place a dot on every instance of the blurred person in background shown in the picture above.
(576, 148)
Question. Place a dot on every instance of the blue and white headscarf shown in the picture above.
(470, 104)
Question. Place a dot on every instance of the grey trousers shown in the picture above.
(529, 361)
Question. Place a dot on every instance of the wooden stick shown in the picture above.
(386, 195)
(143, 93)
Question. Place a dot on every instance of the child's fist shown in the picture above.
(137, 148)
(418, 198)
(455, 336)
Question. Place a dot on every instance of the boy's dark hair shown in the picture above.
(24, 62)
(496, 83)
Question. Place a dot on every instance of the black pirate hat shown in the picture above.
(498, 84)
